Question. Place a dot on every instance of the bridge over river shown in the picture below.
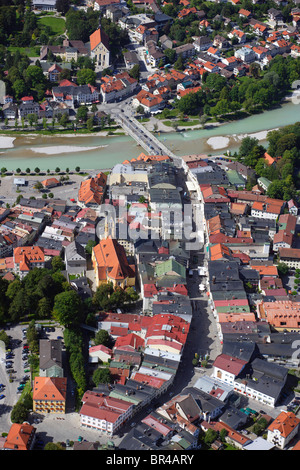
(140, 134)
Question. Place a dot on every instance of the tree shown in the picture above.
(101, 376)
(34, 75)
(62, 6)
(19, 413)
(38, 186)
(81, 114)
(64, 120)
(210, 436)
(67, 308)
(101, 337)
(19, 88)
(179, 64)
(90, 124)
(101, 298)
(57, 264)
(89, 246)
(86, 77)
(135, 72)
(247, 144)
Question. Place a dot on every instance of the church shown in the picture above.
(99, 44)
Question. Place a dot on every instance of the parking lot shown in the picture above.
(51, 427)
(67, 190)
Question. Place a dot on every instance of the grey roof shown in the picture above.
(50, 353)
(220, 271)
(75, 251)
(246, 351)
(206, 402)
(265, 377)
(235, 418)
(33, 203)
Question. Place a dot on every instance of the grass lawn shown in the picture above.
(29, 51)
(57, 25)
(193, 122)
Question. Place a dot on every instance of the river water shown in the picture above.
(98, 152)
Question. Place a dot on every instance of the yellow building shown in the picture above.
(111, 265)
(49, 394)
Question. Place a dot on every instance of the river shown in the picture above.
(98, 152)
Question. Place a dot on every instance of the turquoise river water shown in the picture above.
(98, 152)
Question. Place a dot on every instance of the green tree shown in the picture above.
(135, 72)
(64, 120)
(101, 376)
(90, 124)
(101, 298)
(82, 113)
(19, 88)
(19, 413)
(62, 6)
(57, 264)
(67, 308)
(86, 77)
(102, 337)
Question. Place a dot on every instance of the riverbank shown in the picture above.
(100, 150)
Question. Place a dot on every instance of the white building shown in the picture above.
(283, 429)
(104, 413)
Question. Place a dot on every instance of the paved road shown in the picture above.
(10, 389)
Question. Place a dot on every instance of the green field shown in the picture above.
(57, 25)
(29, 51)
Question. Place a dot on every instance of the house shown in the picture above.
(20, 437)
(275, 15)
(238, 34)
(245, 13)
(270, 209)
(10, 110)
(283, 429)
(73, 95)
(116, 87)
(44, 5)
(131, 59)
(290, 257)
(292, 207)
(202, 43)
(281, 314)
(104, 413)
(185, 50)
(286, 231)
(100, 353)
(49, 394)
(54, 72)
(28, 107)
(26, 258)
(75, 260)
(227, 368)
(262, 381)
(99, 43)
(263, 183)
(150, 102)
(50, 183)
(91, 191)
(110, 264)
(51, 358)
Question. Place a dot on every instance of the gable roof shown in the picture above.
(98, 37)
(229, 364)
(111, 260)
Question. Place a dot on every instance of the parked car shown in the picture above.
(2, 396)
